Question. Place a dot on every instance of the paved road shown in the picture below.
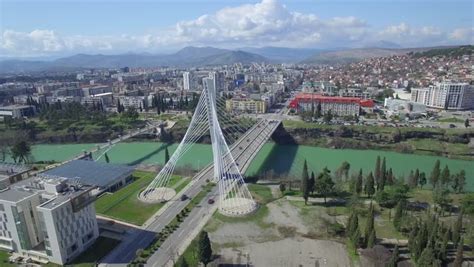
(243, 151)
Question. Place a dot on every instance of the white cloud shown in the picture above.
(414, 36)
(463, 35)
(267, 23)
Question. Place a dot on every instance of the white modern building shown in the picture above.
(445, 95)
(218, 80)
(47, 219)
(186, 80)
(209, 84)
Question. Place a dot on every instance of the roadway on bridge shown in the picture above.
(243, 151)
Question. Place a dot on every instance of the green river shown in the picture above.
(279, 158)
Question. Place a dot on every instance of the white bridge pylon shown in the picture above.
(235, 198)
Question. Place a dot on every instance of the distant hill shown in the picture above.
(284, 54)
(186, 57)
(358, 54)
(446, 51)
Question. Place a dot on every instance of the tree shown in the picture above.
(282, 187)
(328, 116)
(459, 182)
(358, 185)
(343, 170)
(305, 182)
(441, 197)
(397, 218)
(426, 257)
(466, 123)
(369, 185)
(324, 184)
(352, 223)
(318, 110)
(20, 151)
(204, 248)
(445, 176)
(394, 258)
(444, 246)
(182, 262)
(312, 183)
(383, 173)
(371, 239)
(106, 157)
(377, 171)
(422, 180)
(167, 155)
(355, 238)
(369, 226)
(459, 254)
(434, 177)
(457, 228)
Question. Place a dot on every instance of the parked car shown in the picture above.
(184, 197)
(210, 201)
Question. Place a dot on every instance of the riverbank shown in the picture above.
(273, 159)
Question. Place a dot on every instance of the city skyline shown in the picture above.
(111, 27)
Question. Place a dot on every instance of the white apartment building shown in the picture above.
(445, 95)
(186, 80)
(47, 219)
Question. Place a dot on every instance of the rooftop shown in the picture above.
(91, 172)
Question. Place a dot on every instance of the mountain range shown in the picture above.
(204, 56)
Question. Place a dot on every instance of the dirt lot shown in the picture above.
(275, 240)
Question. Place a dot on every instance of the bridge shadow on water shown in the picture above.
(150, 155)
(281, 158)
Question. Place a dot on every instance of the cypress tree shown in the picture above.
(445, 176)
(394, 258)
(457, 228)
(426, 257)
(383, 173)
(106, 157)
(377, 171)
(390, 180)
(352, 224)
(397, 218)
(444, 246)
(369, 226)
(459, 254)
(434, 178)
(422, 180)
(311, 183)
(204, 248)
(371, 240)
(359, 182)
(305, 183)
(370, 185)
(167, 155)
(355, 238)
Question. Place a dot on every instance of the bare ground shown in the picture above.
(282, 244)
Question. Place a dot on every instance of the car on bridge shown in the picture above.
(210, 201)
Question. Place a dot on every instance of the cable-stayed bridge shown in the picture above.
(246, 138)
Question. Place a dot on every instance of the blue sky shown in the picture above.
(42, 28)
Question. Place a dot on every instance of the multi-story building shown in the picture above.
(11, 173)
(340, 106)
(218, 79)
(17, 111)
(445, 95)
(47, 219)
(246, 105)
(186, 80)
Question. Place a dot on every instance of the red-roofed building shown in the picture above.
(340, 106)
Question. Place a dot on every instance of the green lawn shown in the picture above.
(124, 205)
(98, 250)
(4, 259)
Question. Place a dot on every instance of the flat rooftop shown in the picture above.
(91, 172)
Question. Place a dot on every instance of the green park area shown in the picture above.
(124, 205)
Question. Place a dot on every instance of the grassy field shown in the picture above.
(123, 204)
(98, 250)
